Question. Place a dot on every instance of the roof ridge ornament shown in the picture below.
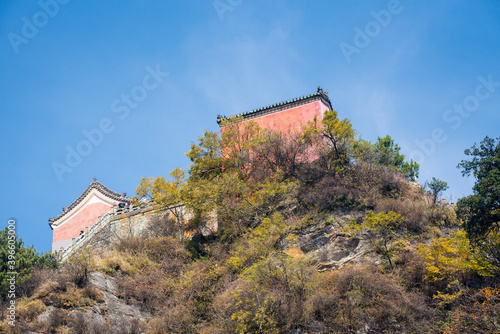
(322, 92)
(93, 185)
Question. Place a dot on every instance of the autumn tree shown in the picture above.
(447, 258)
(273, 294)
(363, 151)
(243, 176)
(477, 313)
(78, 266)
(450, 262)
(206, 157)
(166, 194)
(338, 135)
(275, 286)
(240, 203)
(380, 229)
(239, 141)
(282, 152)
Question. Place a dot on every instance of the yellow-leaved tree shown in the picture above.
(380, 230)
(339, 135)
(165, 194)
(230, 175)
(451, 261)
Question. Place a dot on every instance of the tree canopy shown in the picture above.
(436, 187)
(247, 171)
(481, 210)
(385, 152)
(339, 135)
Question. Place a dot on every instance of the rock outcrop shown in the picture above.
(110, 315)
(328, 244)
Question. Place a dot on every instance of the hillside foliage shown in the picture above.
(416, 266)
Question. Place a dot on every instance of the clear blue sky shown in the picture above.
(404, 68)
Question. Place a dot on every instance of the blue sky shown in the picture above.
(405, 68)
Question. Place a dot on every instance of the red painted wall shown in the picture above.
(85, 218)
(292, 119)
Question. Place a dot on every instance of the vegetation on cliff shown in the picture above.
(318, 231)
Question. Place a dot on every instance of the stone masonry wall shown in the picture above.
(110, 229)
(131, 224)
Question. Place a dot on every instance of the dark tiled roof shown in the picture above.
(320, 95)
(93, 185)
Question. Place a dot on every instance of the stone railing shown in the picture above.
(92, 230)
(134, 221)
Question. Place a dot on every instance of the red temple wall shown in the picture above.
(291, 119)
(85, 218)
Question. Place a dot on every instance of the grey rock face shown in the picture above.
(116, 308)
(328, 244)
(112, 316)
(103, 282)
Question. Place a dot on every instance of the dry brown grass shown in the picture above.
(115, 261)
(357, 298)
(47, 288)
(28, 310)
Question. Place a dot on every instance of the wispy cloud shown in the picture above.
(239, 72)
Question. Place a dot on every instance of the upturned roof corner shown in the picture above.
(98, 187)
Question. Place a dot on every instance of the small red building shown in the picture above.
(289, 115)
(95, 201)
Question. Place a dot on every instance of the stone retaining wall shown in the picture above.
(114, 226)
